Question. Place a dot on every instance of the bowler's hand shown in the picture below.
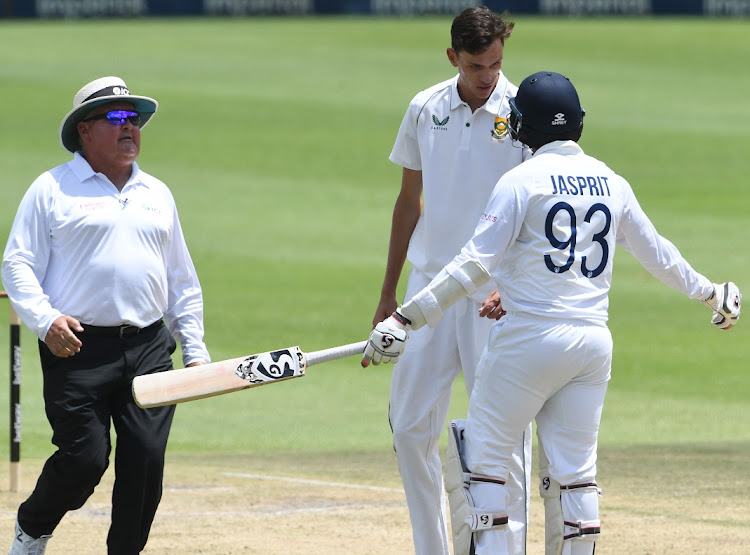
(60, 338)
(387, 306)
(492, 307)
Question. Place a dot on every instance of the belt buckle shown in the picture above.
(124, 329)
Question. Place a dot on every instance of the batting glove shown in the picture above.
(726, 302)
(387, 340)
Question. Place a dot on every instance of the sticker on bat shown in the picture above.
(272, 366)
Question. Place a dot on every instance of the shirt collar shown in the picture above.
(494, 102)
(80, 167)
(135, 176)
(561, 147)
(83, 170)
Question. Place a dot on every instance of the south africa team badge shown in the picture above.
(500, 130)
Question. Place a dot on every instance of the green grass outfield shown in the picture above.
(274, 136)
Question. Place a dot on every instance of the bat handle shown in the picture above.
(316, 357)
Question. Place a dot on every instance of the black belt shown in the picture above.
(125, 330)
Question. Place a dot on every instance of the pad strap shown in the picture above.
(579, 486)
(483, 519)
(583, 528)
(463, 278)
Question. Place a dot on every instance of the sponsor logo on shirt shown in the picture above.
(150, 208)
(92, 206)
(440, 124)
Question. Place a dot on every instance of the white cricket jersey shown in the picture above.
(461, 156)
(80, 247)
(549, 232)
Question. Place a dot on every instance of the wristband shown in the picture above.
(401, 319)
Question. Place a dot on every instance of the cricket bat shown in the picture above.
(225, 376)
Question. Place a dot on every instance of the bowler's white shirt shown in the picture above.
(524, 239)
(80, 247)
(461, 156)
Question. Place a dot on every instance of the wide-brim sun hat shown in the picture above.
(101, 91)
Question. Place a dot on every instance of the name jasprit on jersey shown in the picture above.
(579, 185)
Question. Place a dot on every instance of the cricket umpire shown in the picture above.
(549, 243)
(97, 267)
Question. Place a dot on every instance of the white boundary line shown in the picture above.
(311, 482)
(255, 512)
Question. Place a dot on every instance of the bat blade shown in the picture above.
(188, 384)
(226, 376)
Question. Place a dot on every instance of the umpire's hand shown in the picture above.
(60, 338)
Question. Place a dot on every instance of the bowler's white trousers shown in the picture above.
(420, 397)
(554, 371)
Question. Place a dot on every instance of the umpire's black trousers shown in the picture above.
(82, 395)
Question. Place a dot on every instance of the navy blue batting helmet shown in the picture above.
(546, 103)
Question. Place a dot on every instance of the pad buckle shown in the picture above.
(583, 528)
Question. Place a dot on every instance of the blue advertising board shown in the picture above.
(140, 8)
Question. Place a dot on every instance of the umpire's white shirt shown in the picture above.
(461, 156)
(80, 247)
(548, 237)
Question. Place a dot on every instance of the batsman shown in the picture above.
(547, 240)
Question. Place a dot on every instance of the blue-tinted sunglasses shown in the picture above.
(118, 117)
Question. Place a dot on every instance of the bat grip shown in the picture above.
(316, 357)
